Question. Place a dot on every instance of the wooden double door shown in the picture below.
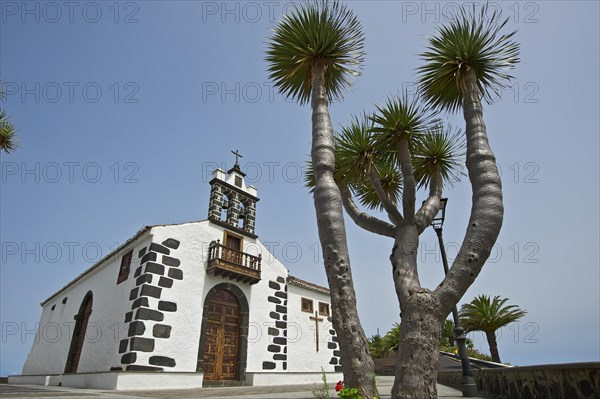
(221, 342)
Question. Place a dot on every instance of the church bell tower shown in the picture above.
(232, 203)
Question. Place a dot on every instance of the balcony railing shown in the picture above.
(233, 264)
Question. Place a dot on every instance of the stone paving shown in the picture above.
(384, 385)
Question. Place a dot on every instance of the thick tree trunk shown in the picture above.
(491, 339)
(356, 361)
(418, 355)
(421, 323)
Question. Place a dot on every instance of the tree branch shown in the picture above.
(388, 205)
(363, 219)
(430, 208)
(409, 193)
(487, 210)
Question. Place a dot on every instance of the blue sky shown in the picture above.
(123, 109)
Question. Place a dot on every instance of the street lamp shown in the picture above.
(469, 388)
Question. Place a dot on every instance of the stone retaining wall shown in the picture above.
(560, 381)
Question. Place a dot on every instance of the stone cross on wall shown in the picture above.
(317, 320)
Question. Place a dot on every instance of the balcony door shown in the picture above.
(233, 248)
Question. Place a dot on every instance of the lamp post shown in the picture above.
(469, 387)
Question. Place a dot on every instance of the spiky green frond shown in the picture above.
(8, 141)
(488, 315)
(391, 183)
(354, 150)
(355, 156)
(309, 177)
(399, 117)
(470, 41)
(315, 35)
(356, 153)
(438, 149)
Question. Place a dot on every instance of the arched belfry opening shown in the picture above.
(78, 340)
(232, 203)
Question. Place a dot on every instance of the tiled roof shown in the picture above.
(306, 285)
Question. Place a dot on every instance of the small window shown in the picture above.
(307, 305)
(323, 309)
(125, 266)
(238, 181)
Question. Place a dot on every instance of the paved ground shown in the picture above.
(384, 385)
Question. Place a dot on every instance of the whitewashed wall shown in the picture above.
(260, 310)
(295, 349)
(49, 352)
(189, 295)
(302, 353)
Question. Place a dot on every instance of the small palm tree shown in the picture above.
(392, 338)
(488, 315)
(376, 346)
(312, 55)
(7, 129)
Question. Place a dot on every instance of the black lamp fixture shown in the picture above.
(438, 220)
(468, 385)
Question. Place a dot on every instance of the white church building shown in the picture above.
(187, 306)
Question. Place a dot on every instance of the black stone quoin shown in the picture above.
(129, 358)
(136, 328)
(161, 331)
(171, 243)
(141, 344)
(159, 248)
(175, 274)
(149, 314)
(139, 295)
(167, 306)
(169, 261)
(156, 268)
(162, 361)
(150, 256)
(150, 290)
(165, 282)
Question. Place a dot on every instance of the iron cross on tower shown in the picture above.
(317, 320)
(237, 155)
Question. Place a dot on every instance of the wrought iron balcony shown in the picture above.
(233, 264)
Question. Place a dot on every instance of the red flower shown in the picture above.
(339, 386)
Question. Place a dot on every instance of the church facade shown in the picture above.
(185, 306)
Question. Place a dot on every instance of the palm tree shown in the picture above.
(465, 61)
(383, 160)
(391, 339)
(376, 346)
(7, 129)
(488, 315)
(312, 55)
